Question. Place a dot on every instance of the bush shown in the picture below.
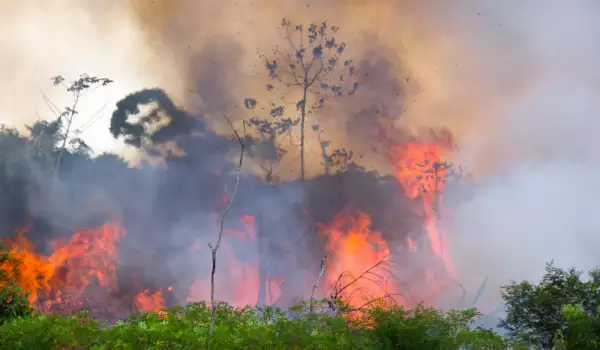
(252, 328)
(261, 327)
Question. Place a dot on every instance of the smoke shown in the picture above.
(536, 162)
(516, 83)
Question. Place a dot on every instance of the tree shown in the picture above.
(164, 121)
(313, 66)
(537, 312)
(67, 116)
(583, 330)
(265, 151)
(46, 137)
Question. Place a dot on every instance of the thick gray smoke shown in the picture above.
(536, 194)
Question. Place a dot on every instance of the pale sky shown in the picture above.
(61, 37)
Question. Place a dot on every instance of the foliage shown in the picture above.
(235, 328)
(261, 327)
(562, 303)
(142, 133)
(583, 330)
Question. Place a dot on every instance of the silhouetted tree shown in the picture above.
(162, 122)
(311, 64)
(67, 116)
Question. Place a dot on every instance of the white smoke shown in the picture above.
(537, 193)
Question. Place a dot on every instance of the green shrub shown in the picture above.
(252, 328)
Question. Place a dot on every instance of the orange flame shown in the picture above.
(88, 256)
(238, 282)
(357, 268)
(420, 169)
(150, 302)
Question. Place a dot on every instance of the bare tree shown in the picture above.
(312, 64)
(215, 249)
(67, 116)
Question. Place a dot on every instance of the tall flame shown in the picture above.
(421, 170)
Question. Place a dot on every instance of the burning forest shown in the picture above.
(369, 226)
(363, 156)
(103, 236)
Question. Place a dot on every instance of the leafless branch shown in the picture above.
(381, 280)
(362, 275)
(221, 229)
(385, 297)
(316, 285)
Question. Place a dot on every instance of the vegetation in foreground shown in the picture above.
(561, 312)
(250, 328)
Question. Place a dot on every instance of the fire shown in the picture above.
(88, 257)
(358, 268)
(420, 169)
(150, 302)
(237, 282)
(358, 265)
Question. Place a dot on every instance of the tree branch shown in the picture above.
(70, 115)
(215, 249)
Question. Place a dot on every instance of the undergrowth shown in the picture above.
(251, 328)
(262, 327)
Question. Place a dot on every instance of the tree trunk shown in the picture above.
(302, 119)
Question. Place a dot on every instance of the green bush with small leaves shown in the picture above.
(252, 328)
(262, 327)
(561, 312)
